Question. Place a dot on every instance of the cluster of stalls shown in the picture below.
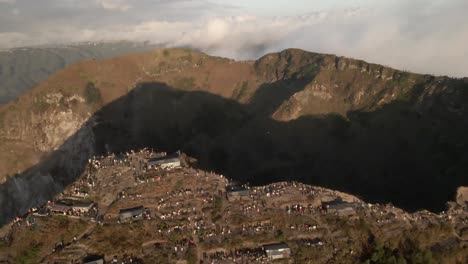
(272, 251)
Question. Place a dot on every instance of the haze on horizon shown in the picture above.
(425, 36)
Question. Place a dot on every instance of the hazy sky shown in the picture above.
(427, 36)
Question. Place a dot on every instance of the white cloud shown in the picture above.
(14, 39)
(427, 36)
(243, 37)
(15, 11)
(120, 5)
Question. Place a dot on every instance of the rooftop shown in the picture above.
(167, 158)
(276, 246)
(133, 209)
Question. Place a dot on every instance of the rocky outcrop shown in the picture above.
(66, 160)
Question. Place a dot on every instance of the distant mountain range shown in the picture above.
(379, 133)
(23, 68)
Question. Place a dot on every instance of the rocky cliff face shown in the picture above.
(55, 145)
(297, 115)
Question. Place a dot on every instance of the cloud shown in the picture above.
(120, 5)
(427, 36)
(243, 37)
(7, 1)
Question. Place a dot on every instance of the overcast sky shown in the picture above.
(426, 36)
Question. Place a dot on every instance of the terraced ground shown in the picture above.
(189, 210)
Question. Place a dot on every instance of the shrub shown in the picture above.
(218, 204)
(410, 253)
(30, 254)
(216, 218)
(62, 221)
(185, 83)
(178, 185)
(192, 257)
(242, 91)
(280, 235)
(92, 94)
(40, 105)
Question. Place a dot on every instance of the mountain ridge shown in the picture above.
(297, 114)
(23, 68)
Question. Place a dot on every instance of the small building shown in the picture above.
(339, 207)
(166, 162)
(237, 193)
(131, 214)
(82, 206)
(93, 259)
(59, 207)
(277, 251)
(41, 210)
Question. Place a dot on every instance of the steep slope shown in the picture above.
(377, 132)
(24, 68)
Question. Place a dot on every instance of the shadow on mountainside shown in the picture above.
(395, 154)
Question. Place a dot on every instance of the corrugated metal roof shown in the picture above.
(276, 246)
(133, 211)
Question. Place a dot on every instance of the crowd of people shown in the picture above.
(192, 212)
(126, 259)
(242, 255)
